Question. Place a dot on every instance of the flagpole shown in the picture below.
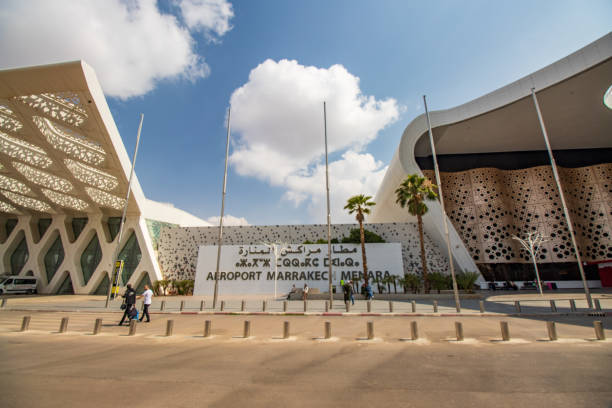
(219, 243)
(562, 197)
(329, 252)
(123, 215)
(439, 182)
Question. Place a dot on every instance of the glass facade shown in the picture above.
(78, 225)
(91, 258)
(130, 255)
(114, 223)
(66, 287)
(10, 226)
(102, 288)
(19, 257)
(54, 258)
(43, 226)
(143, 281)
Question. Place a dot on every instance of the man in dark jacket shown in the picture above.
(129, 298)
(348, 293)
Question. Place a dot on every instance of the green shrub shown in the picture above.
(440, 281)
(466, 280)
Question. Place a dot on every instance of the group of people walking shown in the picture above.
(130, 312)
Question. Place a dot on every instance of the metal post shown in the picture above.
(370, 329)
(3, 303)
(347, 305)
(459, 331)
(327, 330)
(597, 305)
(243, 306)
(25, 323)
(505, 331)
(285, 330)
(284, 305)
(222, 305)
(326, 306)
(132, 327)
(413, 306)
(220, 242)
(369, 306)
(390, 307)
(552, 331)
(163, 306)
(329, 250)
(572, 303)
(517, 306)
(439, 183)
(414, 330)
(64, 325)
(435, 306)
(169, 327)
(182, 305)
(482, 307)
(599, 331)
(97, 326)
(207, 327)
(121, 224)
(201, 306)
(305, 305)
(263, 306)
(562, 197)
(553, 306)
(247, 329)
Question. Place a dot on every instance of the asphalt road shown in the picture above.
(41, 368)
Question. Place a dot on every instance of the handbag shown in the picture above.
(123, 306)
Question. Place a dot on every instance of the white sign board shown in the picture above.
(253, 269)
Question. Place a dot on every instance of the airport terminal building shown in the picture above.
(64, 175)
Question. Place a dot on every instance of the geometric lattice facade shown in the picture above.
(487, 206)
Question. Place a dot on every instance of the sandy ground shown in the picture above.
(42, 368)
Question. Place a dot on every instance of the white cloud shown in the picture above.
(278, 115)
(130, 44)
(228, 220)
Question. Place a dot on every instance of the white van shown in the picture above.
(18, 284)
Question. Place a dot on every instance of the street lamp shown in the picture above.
(276, 248)
(532, 244)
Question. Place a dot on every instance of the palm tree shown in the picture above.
(413, 192)
(360, 204)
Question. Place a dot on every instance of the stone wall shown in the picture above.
(178, 246)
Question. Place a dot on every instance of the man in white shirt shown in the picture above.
(148, 296)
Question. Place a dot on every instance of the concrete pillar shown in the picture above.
(242, 306)
(132, 327)
(222, 305)
(597, 305)
(435, 306)
(599, 331)
(327, 330)
(63, 325)
(25, 323)
(552, 331)
(505, 331)
(553, 306)
(482, 308)
(414, 330)
(285, 304)
(390, 307)
(169, 327)
(369, 306)
(285, 330)
(459, 331)
(517, 306)
(182, 305)
(572, 303)
(247, 329)
(97, 326)
(370, 330)
(207, 327)
(163, 306)
(202, 305)
(413, 306)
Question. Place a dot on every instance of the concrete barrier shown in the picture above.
(553, 306)
(459, 331)
(207, 328)
(505, 331)
(370, 330)
(202, 305)
(482, 307)
(599, 331)
(517, 306)
(414, 330)
(413, 306)
(63, 325)
(25, 323)
(551, 328)
(285, 330)
(132, 327)
(328, 330)
(572, 303)
(435, 306)
(169, 327)
(390, 307)
(247, 329)
(97, 326)
(162, 307)
(597, 305)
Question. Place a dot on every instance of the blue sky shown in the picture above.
(179, 62)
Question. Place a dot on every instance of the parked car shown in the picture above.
(18, 284)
